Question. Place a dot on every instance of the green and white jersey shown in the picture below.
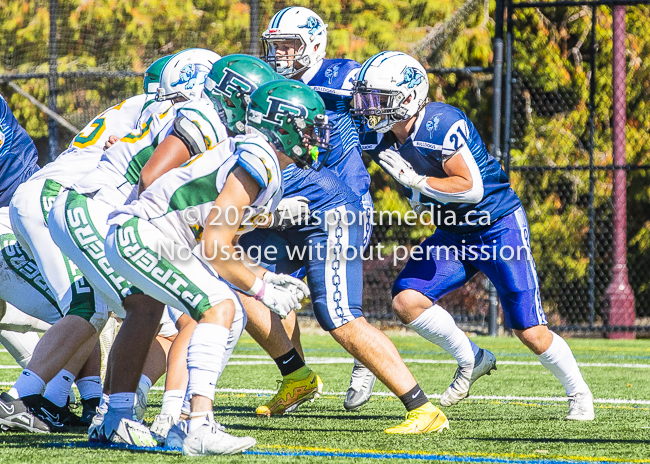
(86, 149)
(195, 122)
(179, 202)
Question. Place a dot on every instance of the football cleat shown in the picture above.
(126, 432)
(291, 394)
(425, 419)
(160, 427)
(176, 435)
(212, 439)
(362, 382)
(581, 407)
(89, 411)
(57, 418)
(95, 424)
(16, 415)
(484, 362)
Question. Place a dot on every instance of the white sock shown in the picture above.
(198, 419)
(28, 383)
(59, 387)
(19, 345)
(436, 325)
(559, 359)
(172, 403)
(205, 358)
(90, 387)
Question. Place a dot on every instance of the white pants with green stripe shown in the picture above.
(142, 253)
(29, 211)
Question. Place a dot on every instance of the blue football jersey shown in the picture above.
(18, 154)
(439, 131)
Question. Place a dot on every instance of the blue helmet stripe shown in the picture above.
(364, 68)
(278, 17)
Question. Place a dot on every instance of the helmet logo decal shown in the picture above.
(280, 106)
(332, 72)
(432, 124)
(411, 77)
(192, 74)
(235, 82)
(313, 24)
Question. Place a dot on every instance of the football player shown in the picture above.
(79, 314)
(434, 151)
(210, 197)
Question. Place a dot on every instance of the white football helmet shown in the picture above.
(298, 26)
(184, 74)
(382, 89)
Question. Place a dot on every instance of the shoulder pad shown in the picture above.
(257, 162)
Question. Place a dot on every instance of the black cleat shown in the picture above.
(54, 416)
(16, 415)
(89, 411)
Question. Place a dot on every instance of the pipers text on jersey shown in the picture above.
(439, 131)
(180, 201)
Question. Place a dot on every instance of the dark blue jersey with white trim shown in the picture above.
(18, 154)
(440, 130)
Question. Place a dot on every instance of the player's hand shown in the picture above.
(290, 212)
(278, 299)
(295, 286)
(112, 140)
(400, 169)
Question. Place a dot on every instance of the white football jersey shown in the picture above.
(120, 166)
(87, 148)
(179, 202)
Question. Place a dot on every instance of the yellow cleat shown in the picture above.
(425, 419)
(293, 392)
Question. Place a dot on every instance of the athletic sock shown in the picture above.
(144, 385)
(414, 398)
(58, 389)
(172, 403)
(289, 362)
(90, 387)
(205, 357)
(559, 359)
(28, 383)
(103, 404)
(121, 405)
(436, 325)
(199, 419)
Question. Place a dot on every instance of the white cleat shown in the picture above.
(484, 362)
(212, 439)
(125, 432)
(93, 428)
(176, 435)
(160, 427)
(362, 382)
(581, 407)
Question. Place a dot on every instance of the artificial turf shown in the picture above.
(482, 430)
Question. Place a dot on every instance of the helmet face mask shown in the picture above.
(391, 87)
(291, 116)
(295, 39)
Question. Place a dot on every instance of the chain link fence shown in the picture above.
(557, 125)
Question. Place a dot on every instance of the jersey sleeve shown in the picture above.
(206, 119)
(456, 134)
(260, 164)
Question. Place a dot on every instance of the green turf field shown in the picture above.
(492, 429)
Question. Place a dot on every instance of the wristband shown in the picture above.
(258, 288)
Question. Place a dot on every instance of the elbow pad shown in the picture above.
(473, 195)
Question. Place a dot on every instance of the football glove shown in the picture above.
(296, 286)
(290, 212)
(402, 171)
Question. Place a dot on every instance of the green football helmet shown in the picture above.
(229, 85)
(152, 75)
(292, 117)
